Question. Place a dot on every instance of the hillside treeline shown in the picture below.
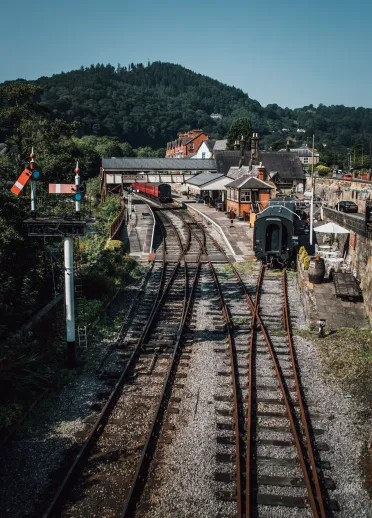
(149, 105)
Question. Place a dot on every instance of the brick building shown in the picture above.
(186, 144)
(248, 193)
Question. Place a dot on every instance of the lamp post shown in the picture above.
(312, 196)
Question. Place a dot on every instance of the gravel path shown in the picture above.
(182, 476)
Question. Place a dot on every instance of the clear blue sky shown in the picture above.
(278, 51)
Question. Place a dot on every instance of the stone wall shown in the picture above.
(359, 249)
(331, 191)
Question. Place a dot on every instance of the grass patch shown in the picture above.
(247, 267)
(347, 357)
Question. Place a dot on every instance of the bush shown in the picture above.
(306, 262)
(114, 244)
(96, 285)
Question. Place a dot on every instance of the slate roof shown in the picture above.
(288, 165)
(249, 183)
(238, 172)
(226, 159)
(158, 164)
(204, 178)
(220, 145)
(210, 144)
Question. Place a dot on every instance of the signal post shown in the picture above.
(67, 228)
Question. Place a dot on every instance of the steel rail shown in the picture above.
(140, 476)
(248, 482)
(289, 409)
(311, 496)
(153, 435)
(300, 400)
(230, 340)
(110, 403)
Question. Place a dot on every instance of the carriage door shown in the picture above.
(273, 236)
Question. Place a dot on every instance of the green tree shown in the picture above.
(240, 128)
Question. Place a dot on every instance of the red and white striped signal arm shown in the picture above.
(22, 179)
(62, 188)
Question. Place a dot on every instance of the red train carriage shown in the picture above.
(160, 191)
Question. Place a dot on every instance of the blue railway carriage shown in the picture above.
(279, 232)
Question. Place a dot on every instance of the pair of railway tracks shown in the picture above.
(154, 352)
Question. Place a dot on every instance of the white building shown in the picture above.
(205, 149)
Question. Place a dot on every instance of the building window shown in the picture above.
(191, 147)
(245, 195)
(203, 155)
(306, 160)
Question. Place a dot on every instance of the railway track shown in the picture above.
(266, 458)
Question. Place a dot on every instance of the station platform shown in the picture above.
(137, 233)
(238, 236)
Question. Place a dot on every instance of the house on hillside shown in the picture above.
(307, 155)
(186, 144)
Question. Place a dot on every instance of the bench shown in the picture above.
(346, 286)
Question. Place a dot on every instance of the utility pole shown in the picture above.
(312, 196)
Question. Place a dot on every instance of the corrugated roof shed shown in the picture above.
(203, 178)
(158, 164)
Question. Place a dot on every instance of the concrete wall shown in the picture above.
(332, 190)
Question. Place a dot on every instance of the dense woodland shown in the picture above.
(149, 105)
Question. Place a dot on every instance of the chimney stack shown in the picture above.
(254, 149)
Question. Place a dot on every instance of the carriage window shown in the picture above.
(245, 195)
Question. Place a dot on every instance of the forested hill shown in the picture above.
(143, 105)
(149, 105)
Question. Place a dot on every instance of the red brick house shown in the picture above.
(186, 144)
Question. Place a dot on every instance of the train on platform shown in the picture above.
(279, 232)
(160, 191)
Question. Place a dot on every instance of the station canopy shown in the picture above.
(157, 164)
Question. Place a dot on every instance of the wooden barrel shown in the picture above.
(316, 270)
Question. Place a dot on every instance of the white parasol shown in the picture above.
(331, 228)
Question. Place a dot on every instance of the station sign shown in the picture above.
(55, 227)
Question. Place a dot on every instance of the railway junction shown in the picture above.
(209, 401)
